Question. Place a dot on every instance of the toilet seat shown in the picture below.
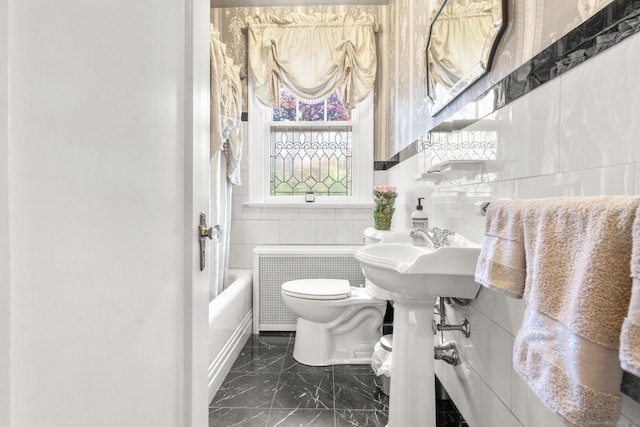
(319, 289)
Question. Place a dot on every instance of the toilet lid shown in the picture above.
(318, 288)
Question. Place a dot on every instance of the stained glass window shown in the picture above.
(310, 146)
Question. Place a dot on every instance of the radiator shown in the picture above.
(274, 265)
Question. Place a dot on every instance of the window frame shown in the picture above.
(258, 140)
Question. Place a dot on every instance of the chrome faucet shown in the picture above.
(420, 237)
(435, 235)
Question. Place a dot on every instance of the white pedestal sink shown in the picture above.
(415, 276)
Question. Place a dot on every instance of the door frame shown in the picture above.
(196, 150)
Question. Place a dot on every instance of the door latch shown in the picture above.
(213, 233)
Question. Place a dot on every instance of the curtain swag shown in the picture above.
(312, 55)
(226, 106)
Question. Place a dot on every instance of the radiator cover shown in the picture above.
(273, 266)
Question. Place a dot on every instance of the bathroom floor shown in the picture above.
(267, 387)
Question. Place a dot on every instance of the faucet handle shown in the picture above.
(446, 234)
(441, 235)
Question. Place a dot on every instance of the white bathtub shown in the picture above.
(230, 317)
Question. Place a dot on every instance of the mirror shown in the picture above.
(462, 38)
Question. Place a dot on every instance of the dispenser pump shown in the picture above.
(419, 218)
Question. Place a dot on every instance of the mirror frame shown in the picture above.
(474, 74)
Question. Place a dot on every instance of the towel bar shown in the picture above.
(481, 208)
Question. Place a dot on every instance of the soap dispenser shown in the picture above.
(419, 218)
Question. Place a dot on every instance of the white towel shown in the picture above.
(501, 264)
(577, 289)
(630, 338)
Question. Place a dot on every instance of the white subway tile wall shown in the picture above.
(300, 226)
(574, 136)
(296, 232)
(335, 232)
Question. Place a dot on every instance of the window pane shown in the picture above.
(330, 109)
(287, 110)
(335, 109)
(311, 158)
(312, 112)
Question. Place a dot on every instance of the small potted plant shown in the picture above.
(384, 198)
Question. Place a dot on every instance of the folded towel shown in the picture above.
(630, 337)
(501, 264)
(577, 291)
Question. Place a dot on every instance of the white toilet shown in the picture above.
(337, 323)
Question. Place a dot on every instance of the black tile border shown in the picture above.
(385, 165)
(631, 386)
(593, 36)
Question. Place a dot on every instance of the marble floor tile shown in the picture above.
(291, 365)
(352, 368)
(260, 359)
(301, 417)
(358, 391)
(309, 390)
(447, 415)
(358, 418)
(270, 339)
(246, 390)
(631, 386)
(268, 388)
(238, 417)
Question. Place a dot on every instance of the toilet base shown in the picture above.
(322, 344)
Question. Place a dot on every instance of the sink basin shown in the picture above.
(422, 271)
(414, 276)
(377, 291)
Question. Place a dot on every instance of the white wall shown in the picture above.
(4, 220)
(97, 209)
(574, 136)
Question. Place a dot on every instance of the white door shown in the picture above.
(106, 153)
(4, 219)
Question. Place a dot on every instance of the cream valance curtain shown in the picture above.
(226, 106)
(312, 55)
